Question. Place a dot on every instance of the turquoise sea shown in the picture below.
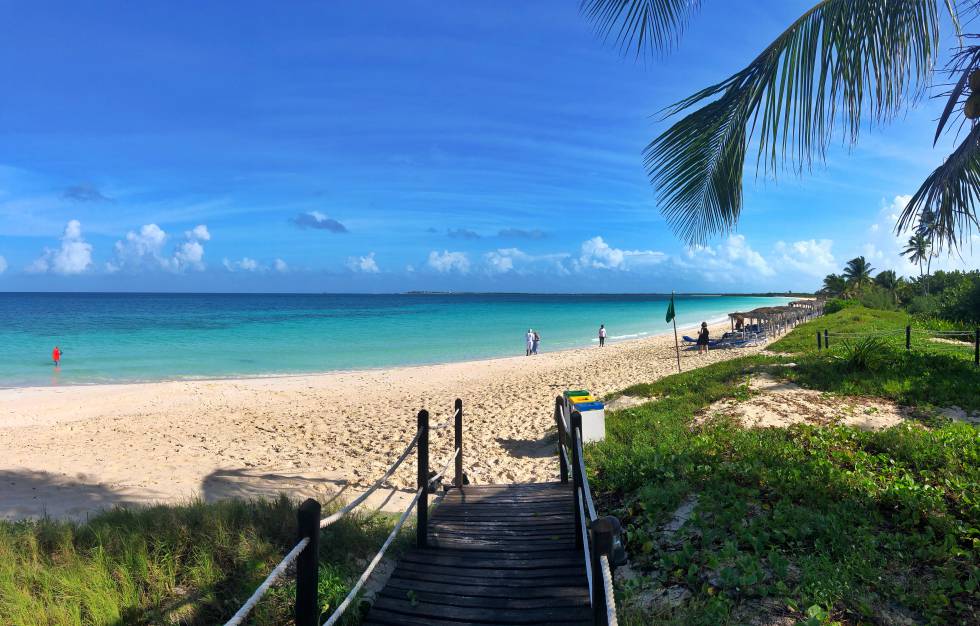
(142, 337)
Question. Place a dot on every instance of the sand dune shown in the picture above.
(72, 450)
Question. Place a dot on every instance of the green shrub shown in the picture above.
(838, 304)
(961, 302)
(875, 297)
(861, 355)
(923, 305)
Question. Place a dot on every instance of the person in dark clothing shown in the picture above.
(703, 338)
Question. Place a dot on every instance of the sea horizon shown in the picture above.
(114, 337)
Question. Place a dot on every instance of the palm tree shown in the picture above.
(918, 250)
(841, 61)
(889, 281)
(833, 285)
(857, 273)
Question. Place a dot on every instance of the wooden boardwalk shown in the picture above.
(496, 554)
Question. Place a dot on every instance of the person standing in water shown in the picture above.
(535, 343)
(529, 342)
(703, 338)
(602, 335)
(56, 356)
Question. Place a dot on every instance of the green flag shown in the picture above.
(670, 308)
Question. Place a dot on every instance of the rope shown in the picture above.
(607, 583)
(361, 498)
(445, 468)
(339, 611)
(585, 477)
(447, 423)
(274, 575)
(585, 542)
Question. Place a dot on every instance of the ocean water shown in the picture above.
(141, 337)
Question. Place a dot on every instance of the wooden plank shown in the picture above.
(555, 615)
(565, 590)
(568, 570)
(581, 598)
(476, 580)
(471, 562)
(477, 554)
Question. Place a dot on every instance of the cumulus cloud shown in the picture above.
(280, 266)
(810, 256)
(245, 264)
(318, 221)
(3, 265)
(520, 233)
(145, 248)
(463, 233)
(504, 260)
(447, 261)
(365, 264)
(84, 193)
(597, 254)
(732, 255)
(73, 257)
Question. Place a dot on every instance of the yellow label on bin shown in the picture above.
(580, 399)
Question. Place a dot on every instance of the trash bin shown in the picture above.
(593, 420)
(576, 392)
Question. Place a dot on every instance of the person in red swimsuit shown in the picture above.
(56, 355)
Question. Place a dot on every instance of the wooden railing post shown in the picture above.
(819, 342)
(422, 508)
(908, 337)
(307, 609)
(976, 347)
(826, 339)
(458, 411)
(576, 425)
(560, 426)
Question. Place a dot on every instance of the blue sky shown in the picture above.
(397, 146)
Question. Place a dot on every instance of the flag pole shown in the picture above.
(677, 346)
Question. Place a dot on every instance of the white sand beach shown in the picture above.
(69, 451)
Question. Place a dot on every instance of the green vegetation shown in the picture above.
(824, 524)
(192, 564)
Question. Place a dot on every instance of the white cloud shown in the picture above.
(810, 256)
(246, 265)
(365, 264)
(733, 255)
(145, 248)
(447, 261)
(199, 232)
(597, 254)
(280, 266)
(504, 260)
(3, 265)
(73, 257)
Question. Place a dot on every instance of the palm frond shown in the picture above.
(846, 58)
(952, 192)
(640, 25)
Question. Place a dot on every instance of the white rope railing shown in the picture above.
(585, 542)
(361, 498)
(607, 583)
(447, 423)
(339, 611)
(274, 575)
(585, 477)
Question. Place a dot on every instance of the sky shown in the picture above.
(346, 147)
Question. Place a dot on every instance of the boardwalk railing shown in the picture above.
(964, 336)
(597, 536)
(306, 551)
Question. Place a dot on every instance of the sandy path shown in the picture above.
(71, 450)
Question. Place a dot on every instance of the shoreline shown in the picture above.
(286, 375)
(77, 449)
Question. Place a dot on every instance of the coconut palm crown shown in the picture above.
(840, 64)
(857, 273)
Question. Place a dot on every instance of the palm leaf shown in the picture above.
(951, 192)
(846, 58)
(640, 25)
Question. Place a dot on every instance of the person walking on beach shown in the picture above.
(535, 343)
(56, 356)
(602, 335)
(529, 342)
(703, 338)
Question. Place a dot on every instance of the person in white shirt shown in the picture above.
(602, 335)
(529, 342)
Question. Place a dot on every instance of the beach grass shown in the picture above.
(821, 524)
(188, 564)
